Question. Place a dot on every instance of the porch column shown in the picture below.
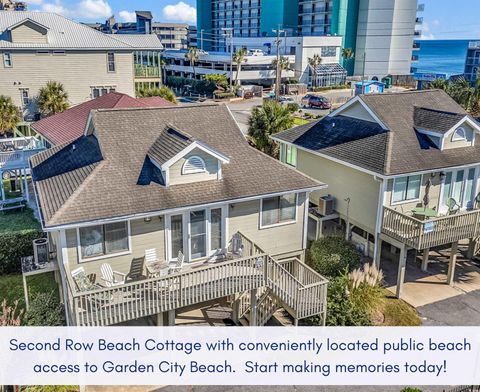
(160, 319)
(425, 255)
(319, 232)
(378, 251)
(472, 244)
(253, 308)
(26, 183)
(236, 309)
(451, 264)
(2, 188)
(171, 318)
(402, 262)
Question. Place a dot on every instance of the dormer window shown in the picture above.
(194, 165)
(459, 135)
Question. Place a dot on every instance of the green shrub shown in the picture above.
(51, 388)
(14, 246)
(224, 95)
(365, 287)
(293, 107)
(162, 92)
(198, 86)
(332, 256)
(408, 389)
(337, 87)
(341, 310)
(45, 310)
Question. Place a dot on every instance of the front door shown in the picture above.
(460, 185)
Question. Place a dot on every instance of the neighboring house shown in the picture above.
(37, 47)
(69, 125)
(183, 214)
(385, 157)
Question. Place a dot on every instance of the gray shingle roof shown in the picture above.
(110, 188)
(435, 120)
(63, 33)
(400, 149)
(170, 142)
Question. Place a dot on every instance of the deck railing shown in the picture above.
(302, 297)
(420, 234)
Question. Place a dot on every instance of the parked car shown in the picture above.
(284, 100)
(256, 52)
(316, 101)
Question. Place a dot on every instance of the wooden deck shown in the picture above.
(300, 290)
(426, 234)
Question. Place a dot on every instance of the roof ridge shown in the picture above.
(439, 110)
(158, 107)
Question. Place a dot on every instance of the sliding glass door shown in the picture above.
(198, 234)
(460, 185)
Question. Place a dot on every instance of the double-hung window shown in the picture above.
(103, 240)
(7, 60)
(279, 209)
(111, 61)
(406, 188)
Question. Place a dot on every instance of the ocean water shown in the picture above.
(441, 56)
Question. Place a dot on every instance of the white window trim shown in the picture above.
(286, 223)
(397, 203)
(109, 256)
(456, 138)
(114, 63)
(194, 171)
(9, 55)
(291, 147)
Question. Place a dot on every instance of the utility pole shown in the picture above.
(278, 80)
(229, 36)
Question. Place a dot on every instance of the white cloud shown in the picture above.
(180, 12)
(35, 2)
(435, 22)
(55, 7)
(426, 33)
(93, 9)
(127, 16)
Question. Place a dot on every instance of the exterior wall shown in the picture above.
(29, 33)
(77, 70)
(450, 143)
(344, 182)
(406, 207)
(385, 37)
(175, 173)
(245, 217)
(357, 111)
(144, 235)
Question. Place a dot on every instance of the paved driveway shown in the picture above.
(461, 310)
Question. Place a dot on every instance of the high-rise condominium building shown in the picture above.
(380, 32)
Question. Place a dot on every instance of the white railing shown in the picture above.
(15, 152)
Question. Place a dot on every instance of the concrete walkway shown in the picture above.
(423, 288)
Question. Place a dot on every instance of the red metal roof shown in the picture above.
(70, 124)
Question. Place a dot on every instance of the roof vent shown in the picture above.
(333, 124)
(73, 147)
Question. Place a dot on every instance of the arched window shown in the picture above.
(193, 165)
(459, 134)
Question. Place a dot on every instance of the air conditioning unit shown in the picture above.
(40, 251)
(325, 205)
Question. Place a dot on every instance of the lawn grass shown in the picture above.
(17, 221)
(11, 287)
(299, 121)
(397, 313)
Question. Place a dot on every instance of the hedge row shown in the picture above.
(198, 86)
(14, 246)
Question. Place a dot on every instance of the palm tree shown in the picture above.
(163, 92)
(9, 115)
(314, 62)
(162, 63)
(284, 66)
(347, 54)
(52, 98)
(461, 91)
(239, 57)
(267, 120)
(193, 56)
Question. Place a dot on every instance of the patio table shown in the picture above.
(155, 269)
(424, 213)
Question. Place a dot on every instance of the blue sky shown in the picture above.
(443, 19)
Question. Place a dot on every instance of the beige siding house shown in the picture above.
(180, 216)
(37, 47)
(408, 178)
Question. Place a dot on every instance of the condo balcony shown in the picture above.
(15, 152)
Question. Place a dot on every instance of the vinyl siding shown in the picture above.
(245, 217)
(144, 235)
(77, 71)
(344, 182)
(356, 110)
(176, 177)
(469, 133)
(29, 33)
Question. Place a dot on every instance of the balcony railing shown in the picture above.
(426, 234)
(147, 72)
(302, 296)
(15, 152)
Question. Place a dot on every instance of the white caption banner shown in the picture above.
(239, 356)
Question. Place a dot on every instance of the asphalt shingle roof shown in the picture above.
(112, 187)
(398, 150)
(170, 142)
(69, 125)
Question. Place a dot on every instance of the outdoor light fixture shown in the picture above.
(147, 219)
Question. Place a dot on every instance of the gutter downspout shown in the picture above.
(382, 188)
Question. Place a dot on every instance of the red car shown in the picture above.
(319, 102)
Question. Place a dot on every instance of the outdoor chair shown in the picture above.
(453, 206)
(112, 278)
(176, 266)
(84, 284)
(136, 269)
